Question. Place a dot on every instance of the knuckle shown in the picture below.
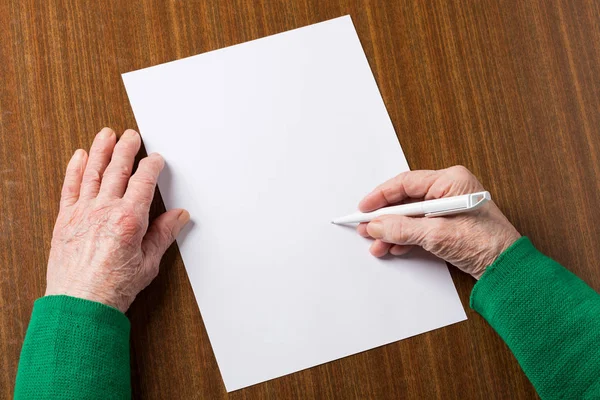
(73, 168)
(159, 243)
(91, 174)
(464, 179)
(153, 268)
(124, 170)
(67, 198)
(69, 187)
(154, 245)
(400, 177)
(119, 173)
(412, 186)
(144, 179)
(438, 224)
(397, 233)
(435, 237)
(166, 236)
(125, 223)
(387, 192)
(461, 172)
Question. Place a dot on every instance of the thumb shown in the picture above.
(403, 230)
(163, 231)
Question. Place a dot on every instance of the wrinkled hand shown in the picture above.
(470, 241)
(102, 248)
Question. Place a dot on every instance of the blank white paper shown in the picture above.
(265, 143)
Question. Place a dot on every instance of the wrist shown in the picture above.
(496, 249)
(91, 295)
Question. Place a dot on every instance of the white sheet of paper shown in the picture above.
(265, 143)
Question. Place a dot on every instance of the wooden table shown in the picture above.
(509, 89)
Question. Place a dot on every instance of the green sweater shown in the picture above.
(548, 317)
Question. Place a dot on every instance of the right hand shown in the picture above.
(469, 241)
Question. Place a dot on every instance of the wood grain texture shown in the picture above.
(509, 89)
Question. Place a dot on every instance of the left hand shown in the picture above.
(102, 248)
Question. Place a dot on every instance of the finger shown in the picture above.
(413, 184)
(400, 250)
(402, 230)
(73, 176)
(118, 172)
(99, 157)
(362, 230)
(161, 234)
(142, 184)
(379, 248)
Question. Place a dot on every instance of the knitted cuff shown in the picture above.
(74, 348)
(101, 313)
(508, 270)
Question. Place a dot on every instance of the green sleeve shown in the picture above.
(74, 349)
(548, 317)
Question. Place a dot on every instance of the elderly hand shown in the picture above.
(102, 247)
(470, 241)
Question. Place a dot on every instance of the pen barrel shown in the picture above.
(424, 207)
(411, 209)
(449, 203)
(408, 210)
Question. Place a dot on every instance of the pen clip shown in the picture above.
(447, 212)
(475, 201)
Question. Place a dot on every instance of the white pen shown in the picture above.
(428, 208)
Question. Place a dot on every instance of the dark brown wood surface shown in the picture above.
(509, 89)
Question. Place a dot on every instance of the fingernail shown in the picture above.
(184, 217)
(375, 229)
(361, 205)
(154, 155)
(395, 251)
(78, 154)
(105, 133)
(363, 199)
(129, 133)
